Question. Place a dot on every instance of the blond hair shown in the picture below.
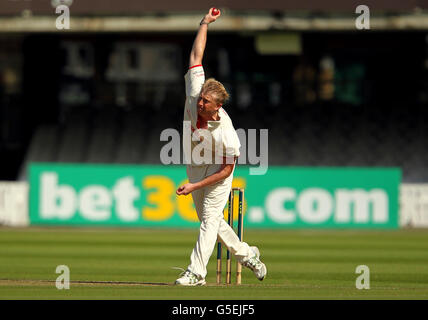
(215, 88)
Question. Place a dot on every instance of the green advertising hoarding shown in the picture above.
(284, 197)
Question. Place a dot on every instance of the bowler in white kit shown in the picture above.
(210, 182)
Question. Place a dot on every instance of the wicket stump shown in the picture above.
(240, 236)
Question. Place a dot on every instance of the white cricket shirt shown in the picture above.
(225, 141)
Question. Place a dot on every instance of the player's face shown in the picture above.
(207, 106)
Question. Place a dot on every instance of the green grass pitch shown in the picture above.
(137, 264)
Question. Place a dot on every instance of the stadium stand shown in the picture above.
(376, 123)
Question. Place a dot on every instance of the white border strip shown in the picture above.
(189, 23)
(14, 202)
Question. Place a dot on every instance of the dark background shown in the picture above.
(374, 117)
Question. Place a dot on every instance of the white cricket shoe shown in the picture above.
(188, 278)
(254, 263)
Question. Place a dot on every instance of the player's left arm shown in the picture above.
(225, 171)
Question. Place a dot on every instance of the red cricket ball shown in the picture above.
(215, 11)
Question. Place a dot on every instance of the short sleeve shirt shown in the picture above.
(225, 141)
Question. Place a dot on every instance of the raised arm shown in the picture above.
(201, 39)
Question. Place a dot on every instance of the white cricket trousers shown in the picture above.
(209, 203)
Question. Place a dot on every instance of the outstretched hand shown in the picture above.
(209, 17)
(185, 189)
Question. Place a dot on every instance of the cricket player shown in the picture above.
(210, 183)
